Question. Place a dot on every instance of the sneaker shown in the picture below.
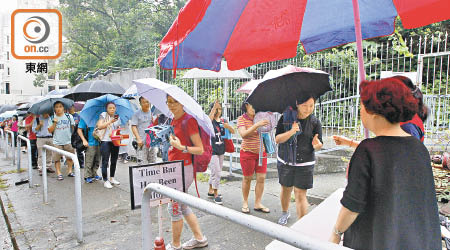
(97, 178)
(50, 170)
(114, 181)
(89, 180)
(218, 200)
(194, 243)
(107, 184)
(71, 175)
(211, 195)
(283, 220)
(171, 247)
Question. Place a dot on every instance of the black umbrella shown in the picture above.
(92, 89)
(283, 87)
(45, 105)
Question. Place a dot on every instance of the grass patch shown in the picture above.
(3, 184)
(203, 177)
(12, 171)
(10, 208)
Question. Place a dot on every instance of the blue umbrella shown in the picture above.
(94, 107)
(45, 105)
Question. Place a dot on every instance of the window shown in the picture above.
(7, 87)
(7, 39)
(7, 55)
(9, 73)
(50, 88)
(2, 66)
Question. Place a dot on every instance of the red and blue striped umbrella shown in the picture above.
(248, 32)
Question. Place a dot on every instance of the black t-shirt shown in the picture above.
(391, 186)
(309, 127)
(217, 143)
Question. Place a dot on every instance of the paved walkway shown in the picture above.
(109, 222)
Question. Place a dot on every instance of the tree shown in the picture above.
(39, 80)
(117, 33)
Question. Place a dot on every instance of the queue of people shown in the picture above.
(390, 181)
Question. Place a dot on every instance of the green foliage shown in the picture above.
(39, 80)
(119, 33)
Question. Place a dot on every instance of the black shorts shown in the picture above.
(297, 176)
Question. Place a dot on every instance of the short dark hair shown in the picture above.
(110, 103)
(140, 98)
(54, 104)
(244, 106)
(305, 98)
(389, 98)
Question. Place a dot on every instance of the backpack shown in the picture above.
(289, 117)
(75, 139)
(199, 162)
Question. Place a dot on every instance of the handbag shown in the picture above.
(98, 134)
(229, 146)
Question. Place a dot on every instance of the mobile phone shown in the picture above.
(116, 117)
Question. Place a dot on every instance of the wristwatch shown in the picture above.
(337, 232)
(185, 150)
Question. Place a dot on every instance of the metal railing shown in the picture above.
(2, 140)
(13, 138)
(76, 166)
(281, 233)
(30, 173)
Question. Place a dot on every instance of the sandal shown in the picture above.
(60, 177)
(262, 209)
(245, 210)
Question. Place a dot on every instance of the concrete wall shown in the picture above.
(125, 78)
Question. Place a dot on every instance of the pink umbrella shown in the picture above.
(78, 106)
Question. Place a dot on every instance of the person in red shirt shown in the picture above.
(32, 136)
(182, 151)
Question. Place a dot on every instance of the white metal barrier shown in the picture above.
(13, 138)
(2, 140)
(30, 169)
(281, 233)
(76, 166)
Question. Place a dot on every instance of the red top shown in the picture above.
(29, 120)
(180, 132)
(418, 122)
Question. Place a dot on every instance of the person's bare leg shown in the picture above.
(69, 166)
(301, 202)
(58, 167)
(192, 221)
(177, 228)
(259, 189)
(246, 182)
(285, 198)
(211, 190)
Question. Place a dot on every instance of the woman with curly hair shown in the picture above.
(390, 200)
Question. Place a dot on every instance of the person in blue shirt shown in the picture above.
(92, 152)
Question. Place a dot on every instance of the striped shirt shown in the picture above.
(251, 143)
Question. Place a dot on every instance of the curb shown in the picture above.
(8, 224)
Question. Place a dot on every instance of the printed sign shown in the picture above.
(36, 34)
(169, 174)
